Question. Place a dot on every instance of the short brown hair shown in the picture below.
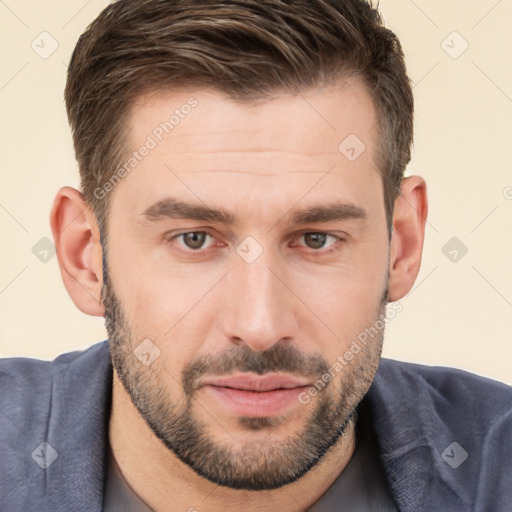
(246, 49)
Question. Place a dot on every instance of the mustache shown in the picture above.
(279, 358)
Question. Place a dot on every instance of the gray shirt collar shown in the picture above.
(361, 487)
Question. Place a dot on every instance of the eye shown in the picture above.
(193, 239)
(318, 240)
(198, 240)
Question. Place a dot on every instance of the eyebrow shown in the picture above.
(175, 209)
(330, 212)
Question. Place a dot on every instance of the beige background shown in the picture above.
(459, 314)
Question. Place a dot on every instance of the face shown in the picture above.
(249, 252)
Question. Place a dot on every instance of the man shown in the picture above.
(242, 225)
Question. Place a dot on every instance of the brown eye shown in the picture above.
(315, 240)
(194, 239)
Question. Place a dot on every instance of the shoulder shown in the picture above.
(52, 427)
(34, 391)
(449, 380)
(444, 431)
(29, 386)
(31, 379)
(457, 402)
(446, 389)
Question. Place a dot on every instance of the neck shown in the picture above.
(159, 478)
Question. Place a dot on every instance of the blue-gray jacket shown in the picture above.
(445, 436)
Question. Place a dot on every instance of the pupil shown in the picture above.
(194, 240)
(317, 240)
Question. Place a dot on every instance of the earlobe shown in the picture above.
(410, 215)
(79, 252)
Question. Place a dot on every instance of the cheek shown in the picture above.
(152, 292)
(174, 309)
(346, 300)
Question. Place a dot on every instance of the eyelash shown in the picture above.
(328, 250)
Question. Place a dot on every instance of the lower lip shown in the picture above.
(257, 404)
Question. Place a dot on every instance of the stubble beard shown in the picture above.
(251, 465)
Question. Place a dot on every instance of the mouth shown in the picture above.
(256, 396)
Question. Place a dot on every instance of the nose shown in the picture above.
(259, 307)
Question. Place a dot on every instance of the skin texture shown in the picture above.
(296, 308)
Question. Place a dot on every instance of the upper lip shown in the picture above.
(256, 382)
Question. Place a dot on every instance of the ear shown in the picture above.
(410, 215)
(77, 240)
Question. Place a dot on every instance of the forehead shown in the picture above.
(201, 144)
(305, 123)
